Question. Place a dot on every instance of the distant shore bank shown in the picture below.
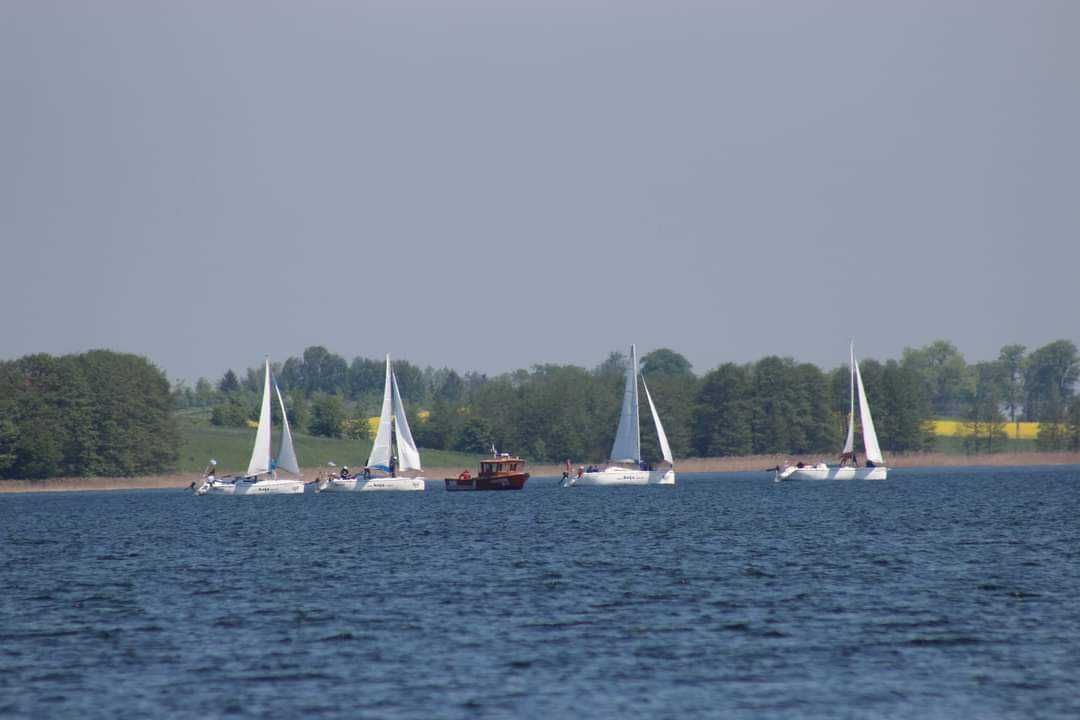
(747, 463)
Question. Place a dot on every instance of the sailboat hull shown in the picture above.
(270, 487)
(216, 487)
(373, 484)
(261, 487)
(624, 476)
(822, 472)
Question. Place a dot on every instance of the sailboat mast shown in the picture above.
(637, 400)
(849, 442)
(393, 423)
(270, 445)
(393, 443)
(851, 371)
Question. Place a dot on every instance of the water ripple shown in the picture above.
(924, 596)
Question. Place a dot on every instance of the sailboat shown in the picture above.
(875, 468)
(392, 423)
(261, 477)
(627, 448)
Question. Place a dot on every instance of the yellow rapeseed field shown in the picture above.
(955, 428)
(373, 422)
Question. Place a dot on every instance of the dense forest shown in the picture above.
(773, 405)
(97, 413)
(107, 413)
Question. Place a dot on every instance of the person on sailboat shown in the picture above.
(393, 465)
(344, 472)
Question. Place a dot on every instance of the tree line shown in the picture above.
(773, 405)
(107, 413)
(95, 413)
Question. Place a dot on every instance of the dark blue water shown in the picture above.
(953, 594)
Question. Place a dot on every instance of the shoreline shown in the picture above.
(744, 463)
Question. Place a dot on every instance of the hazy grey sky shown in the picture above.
(491, 185)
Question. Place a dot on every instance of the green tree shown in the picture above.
(813, 414)
(613, 367)
(9, 429)
(366, 377)
(477, 436)
(665, 362)
(204, 393)
(1051, 373)
(133, 413)
(1072, 426)
(230, 414)
(1052, 433)
(229, 383)
(441, 429)
(946, 380)
(770, 418)
(183, 395)
(675, 396)
(57, 432)
(451, 389)
(722, 413)
(901, 410)
(1012, 362)
(299, 411)
(327, 415)
(319, 371)
(410, 380)
(984, 429)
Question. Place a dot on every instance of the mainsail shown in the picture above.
(380, 451)
(260, 454)
(849, 444)
(627, 447)
(873, 452)
(665, 449)
(287, 453)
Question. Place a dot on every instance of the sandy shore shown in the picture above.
(748, 463)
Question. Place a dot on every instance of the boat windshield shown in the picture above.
(491, 468)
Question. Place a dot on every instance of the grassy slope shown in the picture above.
(231, 447)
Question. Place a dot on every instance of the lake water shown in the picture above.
(947, 594)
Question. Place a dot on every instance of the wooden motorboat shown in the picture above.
(500, 472)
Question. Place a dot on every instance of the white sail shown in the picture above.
(873, 452)
(627, 447)
(380, 451)
(287, 453)
(849, 444)
(408, 454)
(260, 454)
(665, 449)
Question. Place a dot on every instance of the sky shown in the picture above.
(487, 186)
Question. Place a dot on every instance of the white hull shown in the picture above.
(217, 487)
(372, 484)
(624, 476)
(259, 487)
(823, 472)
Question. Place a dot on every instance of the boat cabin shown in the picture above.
(504, 464)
